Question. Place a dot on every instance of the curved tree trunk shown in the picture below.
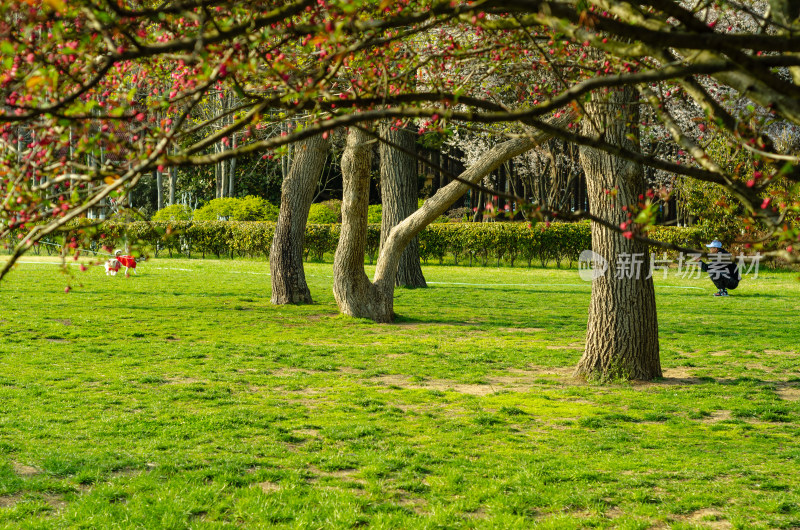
(354, 293)
(286, 255)
(399, 198)
(622, 334)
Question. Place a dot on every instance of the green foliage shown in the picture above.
(327, 212)
(253, 208)
(174, 212)
(505, 241)
(320, 238)
(480, 243)
(248, 208)
(375, 214)
(714, 208)
(216, 209)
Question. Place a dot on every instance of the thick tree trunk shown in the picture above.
(622, 334)
(286, 255)
(354, 293)
(399, 198)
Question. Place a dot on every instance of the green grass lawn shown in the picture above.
(180, 398)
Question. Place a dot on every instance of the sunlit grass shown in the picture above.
(181, 398)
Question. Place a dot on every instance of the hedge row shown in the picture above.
(465, 242)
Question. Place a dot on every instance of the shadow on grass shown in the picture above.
(705, 380)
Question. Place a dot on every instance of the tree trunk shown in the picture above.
(286, 255)
(232, 171)
(622, 334)
(354, 293)
(399, 198)
(159, 190)
(173, 181)
(217, 174)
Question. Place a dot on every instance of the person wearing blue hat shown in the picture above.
(721, 269)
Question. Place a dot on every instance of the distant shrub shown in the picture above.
(459, 214)
(328, 212)
(253, 208)
(467, 242)
(248, 208)
(215, 210)
(174, 212)
(375, 214)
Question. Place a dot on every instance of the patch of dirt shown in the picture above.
(493, 384)
(789, 393)
(56, 502)
(126, 472)
(8, 501)
(719, 353)
(709, 518)
(316, 318)
(25, 471)
(350, 370)
(779, 352)
(718, 415)
(64, 321)
(522, 330)
(307, 432)
(410, 325)
(289, 372)
(671, 376)
(757, 366)
(418, 506)
(269, 487)
(526, 380)
(341, 474)
(570, 346)
(534, 371)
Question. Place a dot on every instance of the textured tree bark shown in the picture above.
(622, 331)
(173, 182)
(354, 293)
(286, 255)
(399, 198)
(159, 190)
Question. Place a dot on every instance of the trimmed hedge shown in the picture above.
(483, 243)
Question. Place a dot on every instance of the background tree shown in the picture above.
(399, 197)
(286, 255)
